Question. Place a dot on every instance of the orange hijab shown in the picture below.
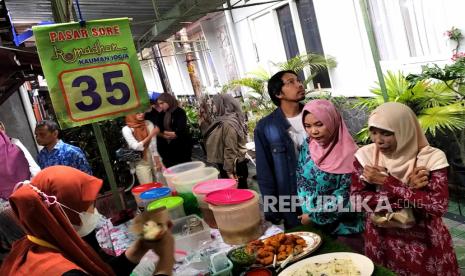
(140, 130)
(413, 149)
(45, 220)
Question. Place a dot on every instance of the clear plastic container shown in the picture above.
(152, 195)
(220, 265)
(201, 189)
(179, 169)
(174, 204)
(225, 272)
(183, 183)
(138, 190)
(189, 236)
(237, 214)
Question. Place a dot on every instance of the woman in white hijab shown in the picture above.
(404, 182)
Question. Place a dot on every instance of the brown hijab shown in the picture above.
(140, 130)
(413, 149)
(44, 219)
(173, 104)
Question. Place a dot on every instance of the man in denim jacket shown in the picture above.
(278, 138)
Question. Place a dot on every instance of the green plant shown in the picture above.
(256, 97)
(84, 138)
(256, 80)
(453, 75)
(339, 101)
(257, 102)
(315, 63)
(436, 105)
(192, 113)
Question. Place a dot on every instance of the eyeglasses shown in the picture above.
(292, 82)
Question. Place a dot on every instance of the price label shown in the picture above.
(95, 91)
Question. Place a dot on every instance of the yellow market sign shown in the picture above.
(92, 71)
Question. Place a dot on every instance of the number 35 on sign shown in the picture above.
(97, 91)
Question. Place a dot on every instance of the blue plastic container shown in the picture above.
(153, 195)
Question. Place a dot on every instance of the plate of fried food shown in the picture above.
(276, 249)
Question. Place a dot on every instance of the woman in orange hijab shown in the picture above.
(141, 135)
(404, 182)
(53, 245)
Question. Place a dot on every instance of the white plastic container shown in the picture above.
(179, 169)
(183, 183)
(237, 214)
(201, 189)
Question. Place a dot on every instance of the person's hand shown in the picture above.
(164, 248)
(169, 135)
(305, 219)
(418, 178)
(158, 164)
(375, 174)
(136, 251)
(232, 176)
(154, 131)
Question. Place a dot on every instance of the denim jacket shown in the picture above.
(276, 165)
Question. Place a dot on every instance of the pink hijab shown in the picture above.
(338, 156)
(14, 167)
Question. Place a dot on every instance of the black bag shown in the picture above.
(128, 155)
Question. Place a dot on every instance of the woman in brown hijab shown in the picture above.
(401, 167)
(53, 208)
(175, 142)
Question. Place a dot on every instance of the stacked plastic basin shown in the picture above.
(184, 182)
(152, 195)
(174, 204)
(138, 190)
(201, 189)
(179, 169)
(237, 214)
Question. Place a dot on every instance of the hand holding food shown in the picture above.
(151, 225)
(374, 175)
(153, 231)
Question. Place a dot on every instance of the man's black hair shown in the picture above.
(275, 84)
(51, 125)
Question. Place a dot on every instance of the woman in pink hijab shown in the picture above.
(14, 168)
(324, 172)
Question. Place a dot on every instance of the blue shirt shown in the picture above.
(66, 155)
(313, 184)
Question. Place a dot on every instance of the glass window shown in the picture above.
(287, 31)
(288, 34)
(409, 28)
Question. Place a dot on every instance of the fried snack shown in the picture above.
(265, 257)
(282, 245)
